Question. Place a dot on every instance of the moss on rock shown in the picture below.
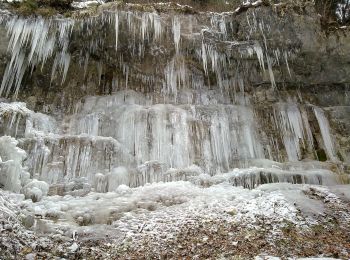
(41, 7)
(321, 155)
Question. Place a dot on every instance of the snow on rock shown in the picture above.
(74, 247)
(85, 3)
(35, 190)
(14, 107)
(18, 120)
(9, 203)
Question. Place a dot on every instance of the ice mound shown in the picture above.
(174, 202)
(13, 176)
(35, 190)
(11, 171)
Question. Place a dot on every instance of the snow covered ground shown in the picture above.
(153, 216)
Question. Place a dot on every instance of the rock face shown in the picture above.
(126, 95)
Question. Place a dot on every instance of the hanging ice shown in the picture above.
(177, 32)
(116, 30)
(325, 132)
(31, 43)
(296, 132)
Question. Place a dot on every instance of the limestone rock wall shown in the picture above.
(151, 90)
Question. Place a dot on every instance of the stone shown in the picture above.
(28, 220)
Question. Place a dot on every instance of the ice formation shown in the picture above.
(197, 124)
(161, 201)
(150, 139)
(35, 190)
(33, 42)
(162, 122)
(12, 174)
(325, 131)
(41, 44)
(295, 127)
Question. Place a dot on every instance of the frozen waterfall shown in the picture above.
(154, 97)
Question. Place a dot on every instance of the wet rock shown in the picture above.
(28, 220)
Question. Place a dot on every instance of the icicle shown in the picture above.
(176, 32)
(126, 73)
(204, 58)
(61, 64)
(175, 74)
(325, 132)
(116, 30)
(143, 27)
(286, 60)
(252, 178)
(170, 78)
(295, 130)
(269, 65)
(218, 24)
(31, 43)
(86, 63)
(99, 72)
(157, 26)
(259, 53)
